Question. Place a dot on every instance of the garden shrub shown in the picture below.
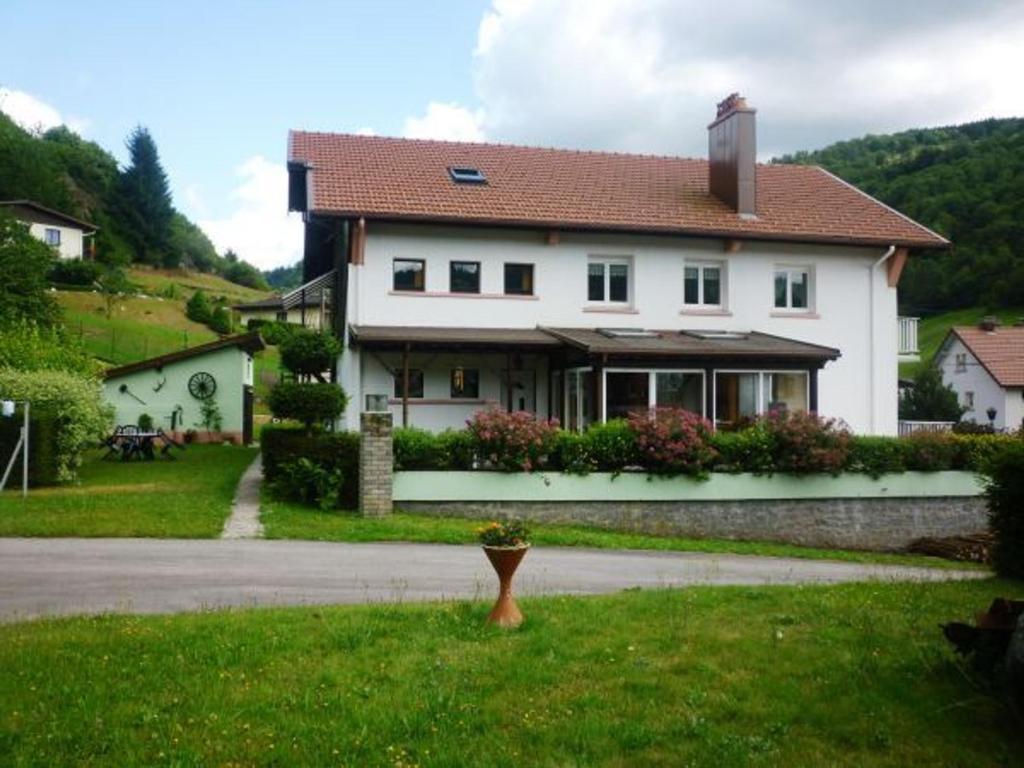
(74, 402)
(334, 452)
(975, 450)
(43, 466)
(749, 450)
(457, 448)
(512, 442)
(930, 451)
(309, 353)
(312, 404)
(77, 272)
(30, 347)
(611, 446)
(1005, 494)
(876, 456)
(273, 332)
(198, 308)
(572, 454)
(220, 320)
(416, 449)
(307, 482)
(804, 442)
(673, 441)
(145, 422)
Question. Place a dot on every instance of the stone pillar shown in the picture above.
(375, 464)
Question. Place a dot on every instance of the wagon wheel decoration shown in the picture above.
(202, 385)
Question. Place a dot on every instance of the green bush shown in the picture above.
(804, 443)
(307, 482)
(26, 346)
(416, 449)
(930, 451)
(572, 454)
(145, 422)
(312, 404)
(220, 320)
(975, 450)
(309, 353)
(79, 272)
(43, 467)
(611, 446)
(876, 456)
(748, 450)
(335, 452)
(273, 332)
(1005, 493)
(74, 402)
(458, 449)
(198, 308)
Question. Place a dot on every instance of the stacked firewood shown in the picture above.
(973, 548)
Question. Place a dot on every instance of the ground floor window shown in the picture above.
(579, 397)
(415, 383)
(628, 391)
(465, 383)
(743, 395)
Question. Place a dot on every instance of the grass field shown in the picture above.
(853, 675)
(187, 498)
(285, 520)
(932, 330)
(156, 281)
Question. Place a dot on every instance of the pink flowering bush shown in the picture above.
(672, 441)
(803, 442)
(512, 442)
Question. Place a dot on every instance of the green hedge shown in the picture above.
(1005, 493)
(43, 466)
(281, 446)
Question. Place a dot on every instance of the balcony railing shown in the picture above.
(908, 337)
(911, 427)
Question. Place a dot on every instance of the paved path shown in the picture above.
(244, 522)
(68, 576)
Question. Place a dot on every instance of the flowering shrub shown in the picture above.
(806, 442)
(512, 442)
(930, 451)
(672, 441)
(512, 533)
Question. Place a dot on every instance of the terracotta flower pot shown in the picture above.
(505, 561)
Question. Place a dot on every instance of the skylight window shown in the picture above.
(714, 335)
(465, 175)
(628, 333)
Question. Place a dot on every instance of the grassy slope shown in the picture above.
(189, 498)
(284, 520)
(932, 330)
(853, 675)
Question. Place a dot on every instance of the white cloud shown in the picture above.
(645, 75)
(450, 122)
(36, 115)
(260, 229)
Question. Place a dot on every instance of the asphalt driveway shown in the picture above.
(41, 577)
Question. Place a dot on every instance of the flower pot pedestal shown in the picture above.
(505, 561)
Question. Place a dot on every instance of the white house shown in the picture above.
(985, 367)
(65, 234)
(584, 285)
(309, 312)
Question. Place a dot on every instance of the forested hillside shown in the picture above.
(131, 206)
(967, 183)
(284, 278)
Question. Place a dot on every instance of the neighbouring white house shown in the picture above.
(71, 238)
(984, 365)
(309, 311)
(584, 285)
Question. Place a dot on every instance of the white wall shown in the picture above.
(70, 239)
(860, 387)
(294, 316)
(974, 378)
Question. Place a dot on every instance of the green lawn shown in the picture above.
(286, 520)
(932, 330)
(189, 498)
(853, 675)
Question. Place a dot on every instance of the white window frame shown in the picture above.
(760, 373)
(969, 400)
(579, 371)
(790, 270)
(960, 362)
(723, 284)
(55, 241)
(607, 262)
(652, 385)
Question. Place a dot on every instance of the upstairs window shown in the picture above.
(969, 401)
(410, 274)
(792, 288)
(465, 383)
(961, 362)
(466, 175)
(608, 281)
(52, 236)
(464, 277)
(702, 285)
(415, 383)
(519, 279)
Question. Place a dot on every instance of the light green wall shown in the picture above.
(227, 366)
(548, 486)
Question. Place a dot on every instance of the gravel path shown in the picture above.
(244, 522)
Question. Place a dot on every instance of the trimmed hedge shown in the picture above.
(333, 451)
(309, 403)
(43, 467)
(1005, 493)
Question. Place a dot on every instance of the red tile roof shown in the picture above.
(1001, 352)
(387, 178)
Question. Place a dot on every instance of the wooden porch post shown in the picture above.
(812, 395)
(508, 382)
(405, 385)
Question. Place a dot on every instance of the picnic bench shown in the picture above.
(129, 443)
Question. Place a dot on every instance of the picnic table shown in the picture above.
(130, 443)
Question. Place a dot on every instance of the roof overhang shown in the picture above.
(248, 342)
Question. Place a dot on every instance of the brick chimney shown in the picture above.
(732, 152)
(989, 323)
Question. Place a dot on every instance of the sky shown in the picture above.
(220, 83)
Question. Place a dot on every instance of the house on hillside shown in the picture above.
(984, 365)
(309, 311)
(71, 238)
(584, 285)
(171, 389)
